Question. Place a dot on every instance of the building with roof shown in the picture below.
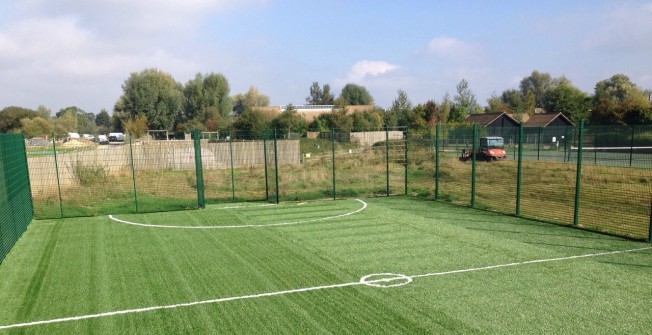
(548, 129)
(496, 124)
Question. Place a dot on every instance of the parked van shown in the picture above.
(116, 137)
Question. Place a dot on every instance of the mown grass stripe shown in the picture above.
(362, 281)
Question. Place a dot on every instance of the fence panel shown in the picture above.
(616, 185)
(16, 208)
(455, 176)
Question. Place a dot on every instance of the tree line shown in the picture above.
(153, 100)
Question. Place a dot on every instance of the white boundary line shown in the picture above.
(363, 281)
(364, 206)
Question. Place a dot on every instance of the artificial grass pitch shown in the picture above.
(381, 265)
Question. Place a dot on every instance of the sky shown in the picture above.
(80, 52)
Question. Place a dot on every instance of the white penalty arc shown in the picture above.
(151, 225)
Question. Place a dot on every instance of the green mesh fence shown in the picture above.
(83, 179)
(539, 178)
(16, 209)
(542, 176)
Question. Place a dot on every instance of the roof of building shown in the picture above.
(543, 120)
(485, 119)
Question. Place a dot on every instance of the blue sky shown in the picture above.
(79, 52)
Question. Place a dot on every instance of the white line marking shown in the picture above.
(364, 206)
(245, 206)
(383, 278)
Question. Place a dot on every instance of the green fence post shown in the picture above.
(56, 170)
(473, 161)
(265, 160)
(437, 161)
(387, 159)
(578, 177)
(276, 163)
(133, 173)
(631, 146)
(232, 172)
(406, 160)
(649, 230)
(199, 172)
(333, 154)
(519, 169)
(539, 143)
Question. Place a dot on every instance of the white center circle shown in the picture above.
(386, 280)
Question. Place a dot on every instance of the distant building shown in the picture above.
(548, 128)
(496, 124)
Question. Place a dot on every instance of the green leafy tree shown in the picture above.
(289, 121)
(103, 121)
(369, 119)
(37, 126)
(316, 93)
(619, 101)
(65, 123)
(10, 118)
(252, 98)
(400, 110)
(206, 98)
(537, 83)
(320, 96)
(565, 98)
(353, 94)
(340, 119)
(44, 112)
(496, 104)
(254, 120)
(136, 127)
(464, 104)
(154, 94)
(327, 98)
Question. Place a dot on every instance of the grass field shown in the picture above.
(374, 266)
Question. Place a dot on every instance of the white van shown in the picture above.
(116, 137)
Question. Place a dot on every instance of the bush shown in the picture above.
(87, 175)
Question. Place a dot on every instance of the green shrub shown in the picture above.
(88, 174)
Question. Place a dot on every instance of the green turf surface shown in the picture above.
(296, 268)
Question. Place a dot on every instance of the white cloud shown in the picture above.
(366, 68)
(625, 29)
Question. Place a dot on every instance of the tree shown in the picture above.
(567, 99)
(316, 94)
(340, 120)
(206, 98)
(65, 123)
(252, 98)
(537, 83)
(619, 101)
(319, 96)
(152, 93)
(103, 121)
(353, 94)
(10, 118)
(36, 126)
(44, 112)
(464, 102)
(400, 110)
(368, 119)
(327, 98)
(496, 104)
(254, 120)
(136, 126)
(289, 120)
